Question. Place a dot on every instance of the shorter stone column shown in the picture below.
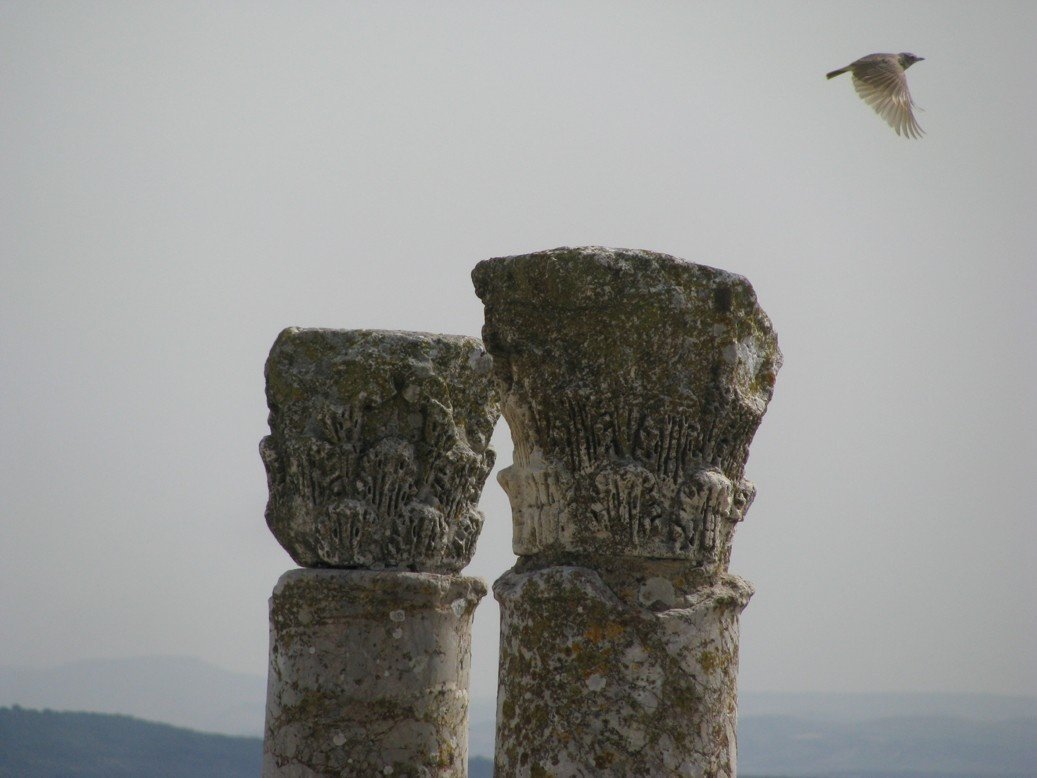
(377, 455)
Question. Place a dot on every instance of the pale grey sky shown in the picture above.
(182, 180)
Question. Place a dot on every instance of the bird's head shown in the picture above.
(907, 60)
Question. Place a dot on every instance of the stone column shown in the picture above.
(633, 383)
(377, 454)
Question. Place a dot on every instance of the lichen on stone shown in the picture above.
(378, 447)
(353, 687)
(633, 383)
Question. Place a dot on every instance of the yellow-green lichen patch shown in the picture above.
(592, 677)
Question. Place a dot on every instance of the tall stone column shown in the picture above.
(633, 383)
(377, 454)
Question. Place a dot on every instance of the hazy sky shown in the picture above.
(180, 181)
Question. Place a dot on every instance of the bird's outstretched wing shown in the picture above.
(882, 84)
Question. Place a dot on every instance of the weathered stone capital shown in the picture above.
(378, 447)
(633, 383)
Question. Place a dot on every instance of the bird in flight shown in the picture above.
(881, 82)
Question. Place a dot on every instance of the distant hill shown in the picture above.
(924, 747)
(779, 734)
(174, 690)
(51, 744)
(48, 744)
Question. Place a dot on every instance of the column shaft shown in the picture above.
(369, 673)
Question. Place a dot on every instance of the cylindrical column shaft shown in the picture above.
(628, 671)
(369, 673)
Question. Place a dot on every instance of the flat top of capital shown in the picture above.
(593, 275)
(374, 336)
(611, 256)
(299, 345)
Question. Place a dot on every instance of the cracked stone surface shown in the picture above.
(378, 447)
(369, 674)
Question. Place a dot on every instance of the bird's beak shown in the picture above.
(920, 58)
